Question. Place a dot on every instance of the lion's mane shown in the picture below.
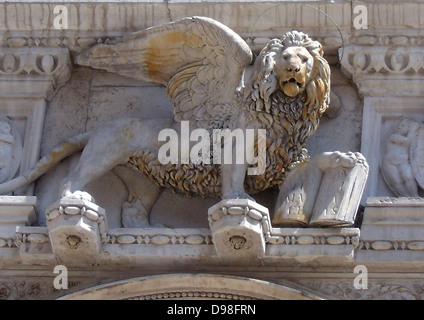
(265, 82)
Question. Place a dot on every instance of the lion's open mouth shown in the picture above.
(291, 87)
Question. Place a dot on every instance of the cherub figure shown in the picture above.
(396, 163)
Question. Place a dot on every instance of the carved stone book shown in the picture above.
(339, 196)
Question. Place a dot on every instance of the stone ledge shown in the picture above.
(384, 231)
(151, 246)
(17, 211)
(392, 230)
(261, 21)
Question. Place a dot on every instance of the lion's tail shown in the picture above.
(44, 164)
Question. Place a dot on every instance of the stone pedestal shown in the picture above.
(15, 212)
(76, 228)
(394, 224)
(239, 228)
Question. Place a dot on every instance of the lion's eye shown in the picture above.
(304, 59)
(286, 56)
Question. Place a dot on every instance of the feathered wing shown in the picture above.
(198, 59)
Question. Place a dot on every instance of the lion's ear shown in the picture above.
(318, 52)
(318, 90)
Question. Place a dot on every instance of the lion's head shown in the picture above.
(294, 65)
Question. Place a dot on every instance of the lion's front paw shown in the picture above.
(237, 195)
(339, 159)
(79, 195)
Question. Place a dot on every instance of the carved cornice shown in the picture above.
(382, 69)
(315, 236)
(193, 294)
(385, 230)
(158, 237)
(389, 22)
(29, 72)
(35, 243)
(384, 245)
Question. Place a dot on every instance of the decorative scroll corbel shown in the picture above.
(376, 70)
(30, 72)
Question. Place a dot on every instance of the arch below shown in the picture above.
(191, 286)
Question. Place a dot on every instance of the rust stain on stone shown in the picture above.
(158, 49)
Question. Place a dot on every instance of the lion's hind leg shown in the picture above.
(142, 195)
(108, 147)
(89, 168)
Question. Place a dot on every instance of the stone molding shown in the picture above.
(392, 226)
(377, 70)
(46, 245)
(329, 286)
(17, 211)
(191, 286)
(391, 23)
(28, 72)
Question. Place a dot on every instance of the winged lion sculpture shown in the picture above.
(214, 82)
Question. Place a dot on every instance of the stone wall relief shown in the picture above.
(376, 70)
(396, 143)
(214, 83)
(401, 160)
(28, 79)
(10, 149)
(391, 142)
